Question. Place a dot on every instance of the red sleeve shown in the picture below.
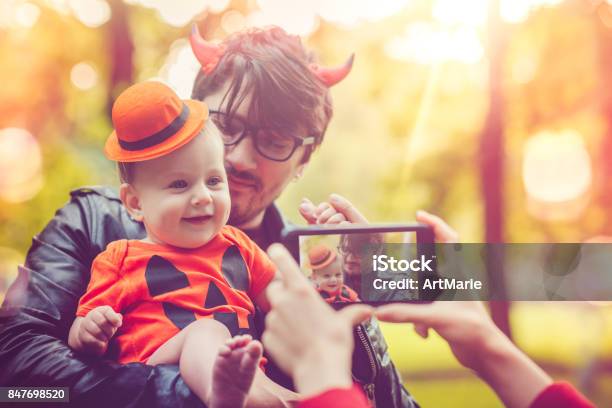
(561, 395)
(105, 285)
(262, 271)
(337, 398)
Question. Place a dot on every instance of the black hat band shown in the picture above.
(158, 137)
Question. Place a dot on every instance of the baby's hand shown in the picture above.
(95, 330)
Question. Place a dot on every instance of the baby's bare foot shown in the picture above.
(234, 371)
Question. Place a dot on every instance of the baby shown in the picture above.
(328, 276)
(184, 294)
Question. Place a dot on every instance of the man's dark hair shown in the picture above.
(273, 67)
(360, 244)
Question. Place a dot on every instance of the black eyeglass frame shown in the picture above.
(253, 131)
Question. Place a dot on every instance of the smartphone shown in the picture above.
(372, 264)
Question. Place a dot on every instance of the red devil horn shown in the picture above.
(331, 76)
(207, 53)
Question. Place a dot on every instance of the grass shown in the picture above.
(564, 337)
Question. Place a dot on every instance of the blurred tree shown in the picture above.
(492, 163)
(602, 20)
(121, 50)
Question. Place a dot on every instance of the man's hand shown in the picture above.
(337, 210)
(442, 231)
(304, 335)
(478, 344)
(91, 334)
(466, 326)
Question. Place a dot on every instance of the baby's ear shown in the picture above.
(131, 201)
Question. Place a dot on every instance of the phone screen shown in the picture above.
(373, 267)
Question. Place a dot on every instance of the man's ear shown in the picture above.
(130, 200)
(299, 172)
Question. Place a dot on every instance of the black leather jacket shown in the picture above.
(33, 336)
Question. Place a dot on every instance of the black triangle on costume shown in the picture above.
(163, 277)
(234, 269)
(344, 293)
(229, 320)
(179, 316)
(214, 297)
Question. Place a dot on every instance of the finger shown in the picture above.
(322, 207)
(344, 206)
(278, 349)
(102, 328)
(421, 330)
(408, 313)
(275, 292)
(326, 215)
(100, 317)
(443, 232)
(289, 271)
(114, 318)
(94, 329)
(93, 344)
(337, 218)
(307, 211)
(271, 320)
(356, 314)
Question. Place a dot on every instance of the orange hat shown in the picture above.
(150, 121)
(320, 256)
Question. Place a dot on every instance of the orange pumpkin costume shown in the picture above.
(344, 294)
(160, 289)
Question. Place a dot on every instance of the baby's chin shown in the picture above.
(191, 243)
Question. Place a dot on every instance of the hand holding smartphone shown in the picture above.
(372, 264)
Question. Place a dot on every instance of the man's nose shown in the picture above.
(201, 195)
(242, 156)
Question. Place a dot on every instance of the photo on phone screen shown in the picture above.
(373, 264)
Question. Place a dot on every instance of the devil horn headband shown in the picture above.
(209, 54)
(331, 76)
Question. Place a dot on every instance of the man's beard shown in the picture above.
(240, 215)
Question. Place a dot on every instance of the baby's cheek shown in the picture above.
(223, 205)
(168, 216)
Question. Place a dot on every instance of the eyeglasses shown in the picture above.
(268, 143)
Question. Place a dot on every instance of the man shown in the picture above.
(273, 107)
(356, 251)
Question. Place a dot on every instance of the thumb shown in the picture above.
(425, 314)
(422, 330)
(442, 231)
(346, 208)
(356, 314)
